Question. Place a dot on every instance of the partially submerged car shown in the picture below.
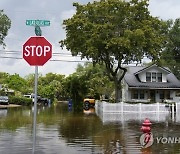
(40, 100)
(88, 103)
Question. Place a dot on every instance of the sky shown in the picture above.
(56, 11)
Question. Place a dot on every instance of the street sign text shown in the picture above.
(38, 23)
(37, 51)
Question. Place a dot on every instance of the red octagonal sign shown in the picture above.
(37, 51)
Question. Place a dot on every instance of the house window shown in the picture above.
(159, 77)
(161, 94)
(135, 94)
(153, 76)
(148, 77)
(141, 94)
(178, 93)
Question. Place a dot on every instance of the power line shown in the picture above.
(74, 61)
(53, 60)
(20, 52)
(10, 57)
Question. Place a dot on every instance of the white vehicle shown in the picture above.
(4, 100)
(32, 97)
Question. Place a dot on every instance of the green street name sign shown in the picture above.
(37, 22)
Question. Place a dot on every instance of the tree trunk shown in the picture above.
(116, 75)
(117, 92)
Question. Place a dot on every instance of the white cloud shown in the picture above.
(165, 9)
(67, 14)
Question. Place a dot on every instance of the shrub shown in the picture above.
(20, 100)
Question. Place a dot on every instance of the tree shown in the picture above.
(76, 87)
(88, 80)
(30, 83)
(114, 32)
(5, 24)
(97, 80)
(16, 82)
(171, 54)
(51, 86)
(3, 77)
(50, 77)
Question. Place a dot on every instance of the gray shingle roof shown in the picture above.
(133, 81)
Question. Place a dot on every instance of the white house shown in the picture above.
(150, 84)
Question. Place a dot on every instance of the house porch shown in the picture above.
(151, 95)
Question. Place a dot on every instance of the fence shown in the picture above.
(131, 108)
(121, 112)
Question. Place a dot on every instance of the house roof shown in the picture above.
(133, 81)
(154, 65)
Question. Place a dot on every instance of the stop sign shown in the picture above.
(37, 51)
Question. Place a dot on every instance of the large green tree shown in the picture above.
(114, 32)
(5, 24)
(171, 54)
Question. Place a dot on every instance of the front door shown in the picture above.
(152, 95)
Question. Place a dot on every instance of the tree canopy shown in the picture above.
(171, 54)
(114, 32)
(88, 80)
(5, 24)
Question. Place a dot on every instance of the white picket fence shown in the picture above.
(121, 112)
(131, 108)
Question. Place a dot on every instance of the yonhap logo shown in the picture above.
(146, 140)
(168, 140)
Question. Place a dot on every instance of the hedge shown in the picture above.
(20, 100)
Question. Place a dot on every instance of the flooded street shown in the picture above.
(62, 132)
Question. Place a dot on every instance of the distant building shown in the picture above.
(150, 84)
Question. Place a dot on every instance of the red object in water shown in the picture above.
(146, 126)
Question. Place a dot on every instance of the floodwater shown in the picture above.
(60, 131)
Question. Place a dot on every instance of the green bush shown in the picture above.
(20, 100)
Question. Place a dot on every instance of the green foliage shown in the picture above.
(46, 91)
(76, 87)
(50, 77)
(88, 80)
(17, 83)
(171, 54)
(30, 82)
(51, 86)
(3, 77)
(20, 100)
(5, 25)
(114, 32)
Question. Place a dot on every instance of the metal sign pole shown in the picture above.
(36, 60)
(35, 109)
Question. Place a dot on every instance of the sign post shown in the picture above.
(36, 51)
(35, 109)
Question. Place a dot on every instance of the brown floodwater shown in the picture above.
(60, 131)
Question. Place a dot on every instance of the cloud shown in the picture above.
(165, 9)
(67, 14)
